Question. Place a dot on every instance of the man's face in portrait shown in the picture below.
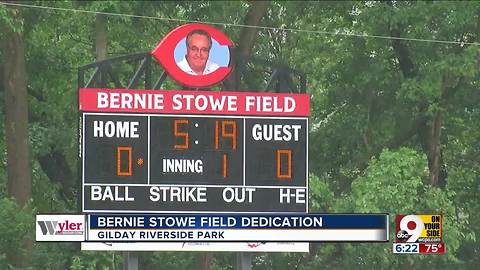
(198, 49)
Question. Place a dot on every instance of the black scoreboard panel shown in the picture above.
(108, 145)
(190, 140)
(160, 163)
(275, 161)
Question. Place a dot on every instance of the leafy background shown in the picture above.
(374, 102)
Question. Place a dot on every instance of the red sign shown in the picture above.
(193, 102)
(196, 69)
(432, 248)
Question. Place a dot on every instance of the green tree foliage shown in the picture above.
(382, 110)
(17, 225)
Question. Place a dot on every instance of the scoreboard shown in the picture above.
(193, 151)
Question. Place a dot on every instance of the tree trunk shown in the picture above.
(19, 184)
(248, 36)
(101, 37)
(429, 134)
(438, 173)
(434, 155)
(204, 260)
(16, 122)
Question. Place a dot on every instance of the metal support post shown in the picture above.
(130, 260)
(243, 261)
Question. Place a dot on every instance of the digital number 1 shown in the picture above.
(232, 134)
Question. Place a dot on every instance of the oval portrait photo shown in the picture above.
(195, 55)
(199, 54)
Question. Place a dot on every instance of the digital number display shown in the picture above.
(154, 162)
(419, 248)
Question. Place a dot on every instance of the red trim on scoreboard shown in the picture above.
(164, 53)
(193, 102)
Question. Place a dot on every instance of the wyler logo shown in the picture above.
(60, 228)
(64, 228)
(418, 228)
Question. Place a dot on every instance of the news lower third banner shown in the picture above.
(214, 228)
(218, 228)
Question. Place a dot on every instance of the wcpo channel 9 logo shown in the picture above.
(418, 229)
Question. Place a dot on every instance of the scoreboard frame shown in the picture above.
(258, 207)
